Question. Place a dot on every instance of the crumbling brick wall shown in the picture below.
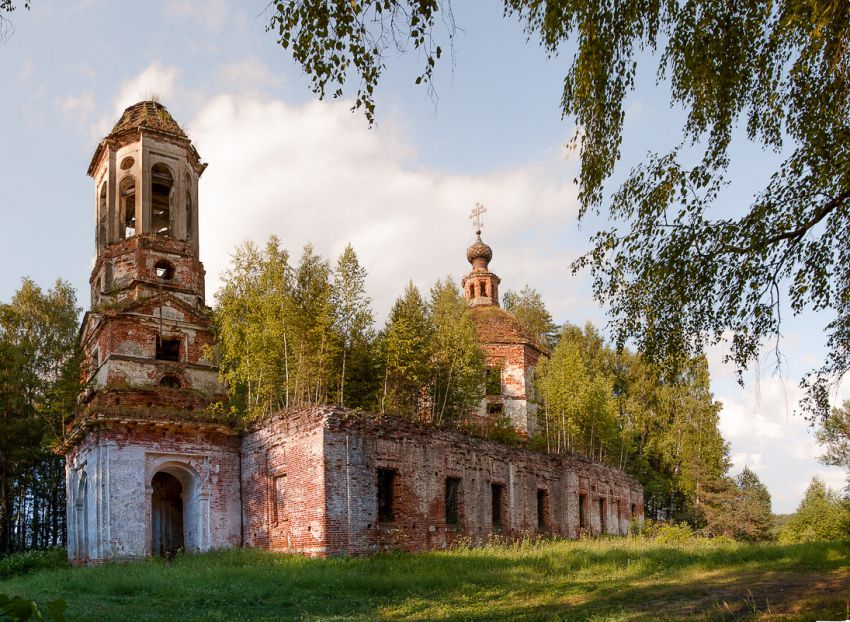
(341, 452)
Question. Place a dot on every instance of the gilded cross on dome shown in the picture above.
(476, 217)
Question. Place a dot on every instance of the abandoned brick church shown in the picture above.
(150, 470)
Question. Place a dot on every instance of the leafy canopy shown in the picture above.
(676, 275)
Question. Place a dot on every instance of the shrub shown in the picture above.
(22, 563)
(674, 534)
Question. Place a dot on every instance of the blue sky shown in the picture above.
(282, 163)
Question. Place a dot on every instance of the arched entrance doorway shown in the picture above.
(166, 514)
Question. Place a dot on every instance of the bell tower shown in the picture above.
(148, 322)
(150, 466)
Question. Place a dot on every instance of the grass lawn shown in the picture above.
(622, 579)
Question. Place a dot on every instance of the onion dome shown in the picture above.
(479, 251)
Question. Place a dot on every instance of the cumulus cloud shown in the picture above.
(316, 173)
(155, 80)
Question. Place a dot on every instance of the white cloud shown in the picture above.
(316, 173)
(154, 81)
(77, 108)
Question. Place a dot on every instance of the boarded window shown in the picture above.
(493, 381)
(542, 509)
(582, 511)
(452, 500)
(167, 349)
(279, 501)
(128, 207)
(386, 486)
(161, 184)
(497, 493)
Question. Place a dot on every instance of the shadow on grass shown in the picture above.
(605, 580)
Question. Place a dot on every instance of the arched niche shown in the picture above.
(81, 518)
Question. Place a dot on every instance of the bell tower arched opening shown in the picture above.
(102, 208)
(162, 183)
(128, 207)
(167, 535)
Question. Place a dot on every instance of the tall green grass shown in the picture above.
(619, 579)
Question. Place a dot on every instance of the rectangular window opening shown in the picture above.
(603, 520)
(386, 485)
(452, 500)
(582, 511)
(279, 505)
(167, 349)
(495, 409)
(493, 381)
(498, 499)
(542, 509)
(634, 511)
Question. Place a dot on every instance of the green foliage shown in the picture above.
(676, 533)
(821, 515)
(352, 317)
(676, 277)
(29, 561)
(279, 343)
(616, 579)
(457, 360)
(620, 409)
(529, 309)
(18, 609)
(39, 383)
(405, 347)
(834, 434)
(750, 508)
(579, 408)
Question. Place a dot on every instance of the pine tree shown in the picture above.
(752, 508)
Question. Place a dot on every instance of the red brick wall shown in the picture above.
(350, 447)
(285, 447)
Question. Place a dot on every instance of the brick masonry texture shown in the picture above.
(329, 460)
